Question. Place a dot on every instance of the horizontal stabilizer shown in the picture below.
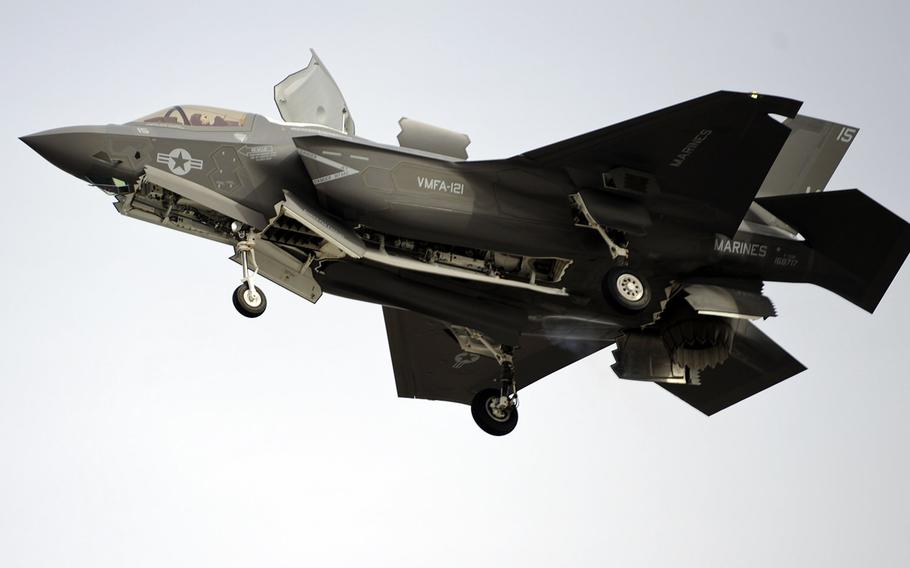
(860, 245)
(755, 364)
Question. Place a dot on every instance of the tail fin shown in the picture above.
(809, 157)
(860, 244)
(805, 164)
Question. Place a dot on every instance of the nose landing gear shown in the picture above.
(248, 298)
(250, 302)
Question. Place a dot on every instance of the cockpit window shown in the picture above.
(197, 116)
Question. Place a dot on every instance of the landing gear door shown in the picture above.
(311, 96)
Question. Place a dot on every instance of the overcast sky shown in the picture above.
(144, 423)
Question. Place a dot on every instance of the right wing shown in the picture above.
(429, 363)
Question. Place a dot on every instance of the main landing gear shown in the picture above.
(627, 288)
(496, 410)
(248, 298)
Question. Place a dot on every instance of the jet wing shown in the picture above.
(704, 159)
(429, 363)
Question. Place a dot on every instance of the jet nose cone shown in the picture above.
(70, 149)
(41, 142)
(31, 140)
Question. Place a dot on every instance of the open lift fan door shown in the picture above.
(311, 96)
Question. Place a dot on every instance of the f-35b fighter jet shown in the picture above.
(655, 234)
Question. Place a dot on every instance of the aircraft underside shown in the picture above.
(654, 235)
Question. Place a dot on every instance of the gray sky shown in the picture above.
(144, 423)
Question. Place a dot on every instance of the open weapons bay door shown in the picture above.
(311, 96)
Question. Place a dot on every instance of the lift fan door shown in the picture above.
(422, 136)
(311, 96)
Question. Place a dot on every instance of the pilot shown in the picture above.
(205, 119)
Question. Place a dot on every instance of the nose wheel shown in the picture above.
(248, 298)
(249, 301)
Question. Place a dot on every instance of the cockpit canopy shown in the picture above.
(187, 115)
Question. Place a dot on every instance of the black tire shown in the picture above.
(484, 417)
(247, 309)
(627, 288)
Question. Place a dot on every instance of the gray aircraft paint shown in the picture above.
(672, 186)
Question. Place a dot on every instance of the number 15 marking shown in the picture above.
(846, 134)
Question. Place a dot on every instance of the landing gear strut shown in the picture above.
(248, 298)
(495, 410)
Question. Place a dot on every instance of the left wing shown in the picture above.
(706, 157)
(429, 363)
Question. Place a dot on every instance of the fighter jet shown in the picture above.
(654, 235)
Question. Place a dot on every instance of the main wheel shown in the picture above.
(247, 303)
(627, 288)
(491, 419)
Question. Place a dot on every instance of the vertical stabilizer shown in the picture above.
(808, 159)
